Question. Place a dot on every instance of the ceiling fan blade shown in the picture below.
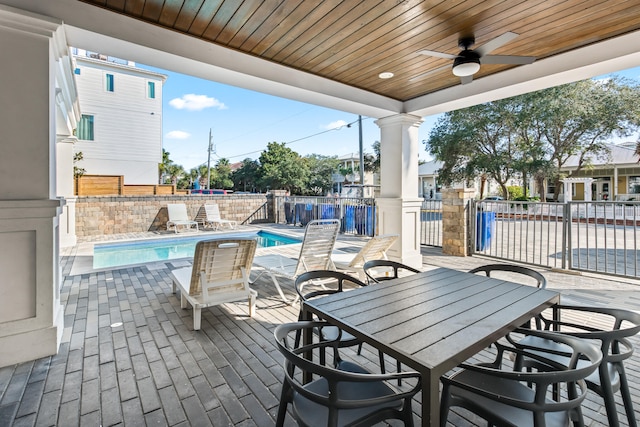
(495, 43)
(507, 59)
(428, 73)
(437, 54)
(466, 79)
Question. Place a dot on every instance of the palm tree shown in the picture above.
(164, 166)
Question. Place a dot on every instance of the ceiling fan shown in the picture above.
(468, 61)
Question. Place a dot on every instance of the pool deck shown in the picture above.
(129, 356)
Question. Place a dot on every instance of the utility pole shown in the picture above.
(361, 155)
(209, 161)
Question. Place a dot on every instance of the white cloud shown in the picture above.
(336, 125)
(193, 102)
(177, 134)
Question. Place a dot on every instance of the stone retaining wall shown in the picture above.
(130, 214)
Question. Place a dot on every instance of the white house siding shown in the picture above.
(127, 123)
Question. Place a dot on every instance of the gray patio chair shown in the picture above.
(614, 328)
(328, 282)
(506, 397)
(341, 396)
(540, 280)
(378, 270)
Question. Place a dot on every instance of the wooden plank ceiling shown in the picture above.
(352, 41)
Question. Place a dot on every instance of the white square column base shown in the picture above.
(402, 217)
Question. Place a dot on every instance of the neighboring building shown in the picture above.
(350, 184)
(120, 130)
(429, 187)
(616, 176)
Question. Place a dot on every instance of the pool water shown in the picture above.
(127, 253)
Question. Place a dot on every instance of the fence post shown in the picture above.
(566, 235)
(276, 201)
(455, 220)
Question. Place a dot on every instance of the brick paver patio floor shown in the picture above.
(129, 356)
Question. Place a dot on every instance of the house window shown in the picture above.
(85, 128)
(634, 184)
(109, 81)
(151, 90)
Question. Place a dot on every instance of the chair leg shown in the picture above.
(275, 282)
(284, 401)
(183, 300)
(173, 284)
(382, 367)
(252, 302)
(197, 312)
(626, 398)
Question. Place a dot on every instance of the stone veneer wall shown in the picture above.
(455, 220)
(129, 214)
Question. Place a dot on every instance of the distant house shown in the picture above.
(120, 129)
(429, 187)
(615, 176)
(350, 184)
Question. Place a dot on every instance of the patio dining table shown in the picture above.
(432, 321)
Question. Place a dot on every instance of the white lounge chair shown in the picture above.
(315, 254)
(375, 248)
(219, 274)
(178, 217)
(214, 219)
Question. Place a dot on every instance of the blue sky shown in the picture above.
(243, 122)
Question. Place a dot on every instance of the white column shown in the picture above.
(31, 317)
(399, 204)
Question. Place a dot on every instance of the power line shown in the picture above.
(348, 125)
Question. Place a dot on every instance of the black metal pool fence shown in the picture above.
(357, 215)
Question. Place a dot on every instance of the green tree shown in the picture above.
(536, 133)
(164, 166)
(321, 169)
(246, 177)
(475, 141)
(577, 119)
(283, 168)
(222, 175)
(174, 173)
(78, 171)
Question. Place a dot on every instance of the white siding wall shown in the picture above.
(127, 124)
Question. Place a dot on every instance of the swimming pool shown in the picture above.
(109, 255)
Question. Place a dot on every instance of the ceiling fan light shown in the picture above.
(464, 69)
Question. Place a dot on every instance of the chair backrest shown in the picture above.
(614, 327)
(378, 270)
(177, 212)
(509, 268)
(331, 281)
(358, 386)
(213, 212)
(222, 265)
(375, 248)
(582, 358)
(319, 238)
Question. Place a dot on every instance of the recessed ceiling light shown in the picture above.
(385, 75)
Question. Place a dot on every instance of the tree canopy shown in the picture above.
(283, 168)
(536, 133)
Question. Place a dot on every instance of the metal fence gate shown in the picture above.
(602, 237)
(431, 223)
